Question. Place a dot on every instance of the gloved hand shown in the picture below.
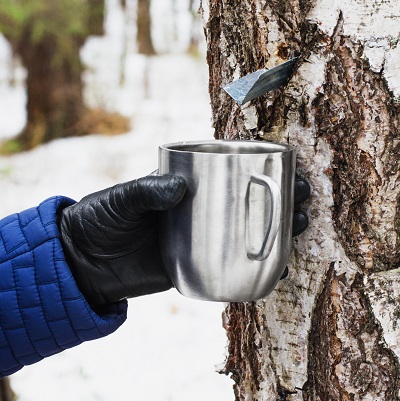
(300, 219)
(301, 194)
(110, 238)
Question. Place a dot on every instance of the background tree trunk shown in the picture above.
(48, 36)
(54, 87)
(331, 330)
(144, 41)
(6, 393)
(96, 16)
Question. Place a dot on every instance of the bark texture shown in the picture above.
(331, 330)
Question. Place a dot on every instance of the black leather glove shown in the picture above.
(301, 194)
(110, 238)
(300, 219)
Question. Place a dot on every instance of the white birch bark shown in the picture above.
(331, 331)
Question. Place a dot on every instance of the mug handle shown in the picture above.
(275, 213)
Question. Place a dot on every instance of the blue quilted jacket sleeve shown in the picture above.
(42, 312)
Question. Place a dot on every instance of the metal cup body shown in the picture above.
(230, 237)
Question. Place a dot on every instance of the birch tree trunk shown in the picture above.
(331, 330)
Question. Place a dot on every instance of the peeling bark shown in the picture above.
(356, 115)
(330, 331)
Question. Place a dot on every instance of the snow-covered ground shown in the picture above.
(168, 348)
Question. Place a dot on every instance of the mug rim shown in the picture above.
(189, 147)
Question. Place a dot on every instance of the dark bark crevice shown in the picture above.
(243, 363)
(347, 356)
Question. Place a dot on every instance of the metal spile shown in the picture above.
(260, 82)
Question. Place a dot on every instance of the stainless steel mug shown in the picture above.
(230, 237)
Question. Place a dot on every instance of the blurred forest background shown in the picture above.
(70, 68)
(46, 37)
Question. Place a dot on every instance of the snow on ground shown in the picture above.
(169, 346)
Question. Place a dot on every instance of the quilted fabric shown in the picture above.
(42, 312)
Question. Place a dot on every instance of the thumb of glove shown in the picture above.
(151, 193)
